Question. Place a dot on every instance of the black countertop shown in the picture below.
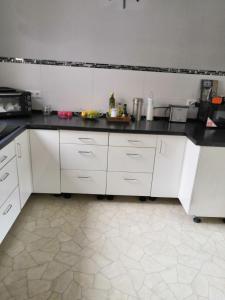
(195, 131)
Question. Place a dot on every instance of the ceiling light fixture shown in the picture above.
(125, 3)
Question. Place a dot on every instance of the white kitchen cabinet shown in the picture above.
(9, 212)
(202, 189)
(131, 159)
(8, 180)
(6, 154)
(83, 157)
(22, 143)
(128, 184)
(83, 182)
(45, 161)
(168, 166)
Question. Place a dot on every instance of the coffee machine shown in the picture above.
(208, 92)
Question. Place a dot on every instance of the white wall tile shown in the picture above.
(66, 88)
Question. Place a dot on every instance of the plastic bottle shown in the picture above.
(150, 109)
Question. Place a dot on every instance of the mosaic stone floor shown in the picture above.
(89, 249)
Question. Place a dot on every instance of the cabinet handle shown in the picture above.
(160, 149)
(85, 139)
(3, 178)
(83, 177)
(3, 158)
(130, 179)
(19, 152)
(134, 141)
(85, 152)
(133, 154)
(7, 209)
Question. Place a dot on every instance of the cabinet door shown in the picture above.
(45, 161)
(168, 166)
(24, 166)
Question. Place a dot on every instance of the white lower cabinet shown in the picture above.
(202, 189)
(83, 182)
(22, 143)
(45, 161)
(131, 159)
(8, 180)
(9, 212)
(83, 157)
(133, 184)
(168, 166)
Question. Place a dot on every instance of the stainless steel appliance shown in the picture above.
(137, 108)
(208, 91)
(14, 102)
(178, 113)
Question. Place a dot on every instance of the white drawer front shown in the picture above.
(79, 157)
(8, 213)
(132, 140)
(131, 159)
(6, 154)
(8, 180)
(83, 182)
(133, 184)
(83, 137)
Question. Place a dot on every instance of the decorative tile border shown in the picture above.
(109, 66)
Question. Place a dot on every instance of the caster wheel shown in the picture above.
(66, 196)
(109, 197)
(57, 195)
(197, 220)
(100, 197)
(152, 199)
(142, 199)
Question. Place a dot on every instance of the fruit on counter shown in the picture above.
(90, 114)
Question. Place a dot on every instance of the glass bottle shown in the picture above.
(112, 103)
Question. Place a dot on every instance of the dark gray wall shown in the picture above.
(167, 33)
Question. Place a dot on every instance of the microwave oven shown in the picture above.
(14, 103)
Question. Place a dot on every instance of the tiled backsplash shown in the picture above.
(67, 88)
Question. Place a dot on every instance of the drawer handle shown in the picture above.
(130, 179)
(7, 209)
(84, 177)
(133, 154)
(134, 141)
(85, 139)
(3, 158)
(85, 152)
(3, 178)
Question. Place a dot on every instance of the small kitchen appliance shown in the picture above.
(14, 102)
(208, 92)
(178, 113)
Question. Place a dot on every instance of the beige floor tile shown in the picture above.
(86, 249)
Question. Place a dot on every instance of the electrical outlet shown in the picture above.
(36, 94)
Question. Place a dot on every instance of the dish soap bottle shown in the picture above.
(112, 103)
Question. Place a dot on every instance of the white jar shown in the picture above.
(113, 112)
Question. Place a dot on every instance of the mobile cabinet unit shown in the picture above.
(168, 166)
(9, 192)
(45, 161)
(202, 188)
(130, 164)
(83, 158)
(23, 156)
